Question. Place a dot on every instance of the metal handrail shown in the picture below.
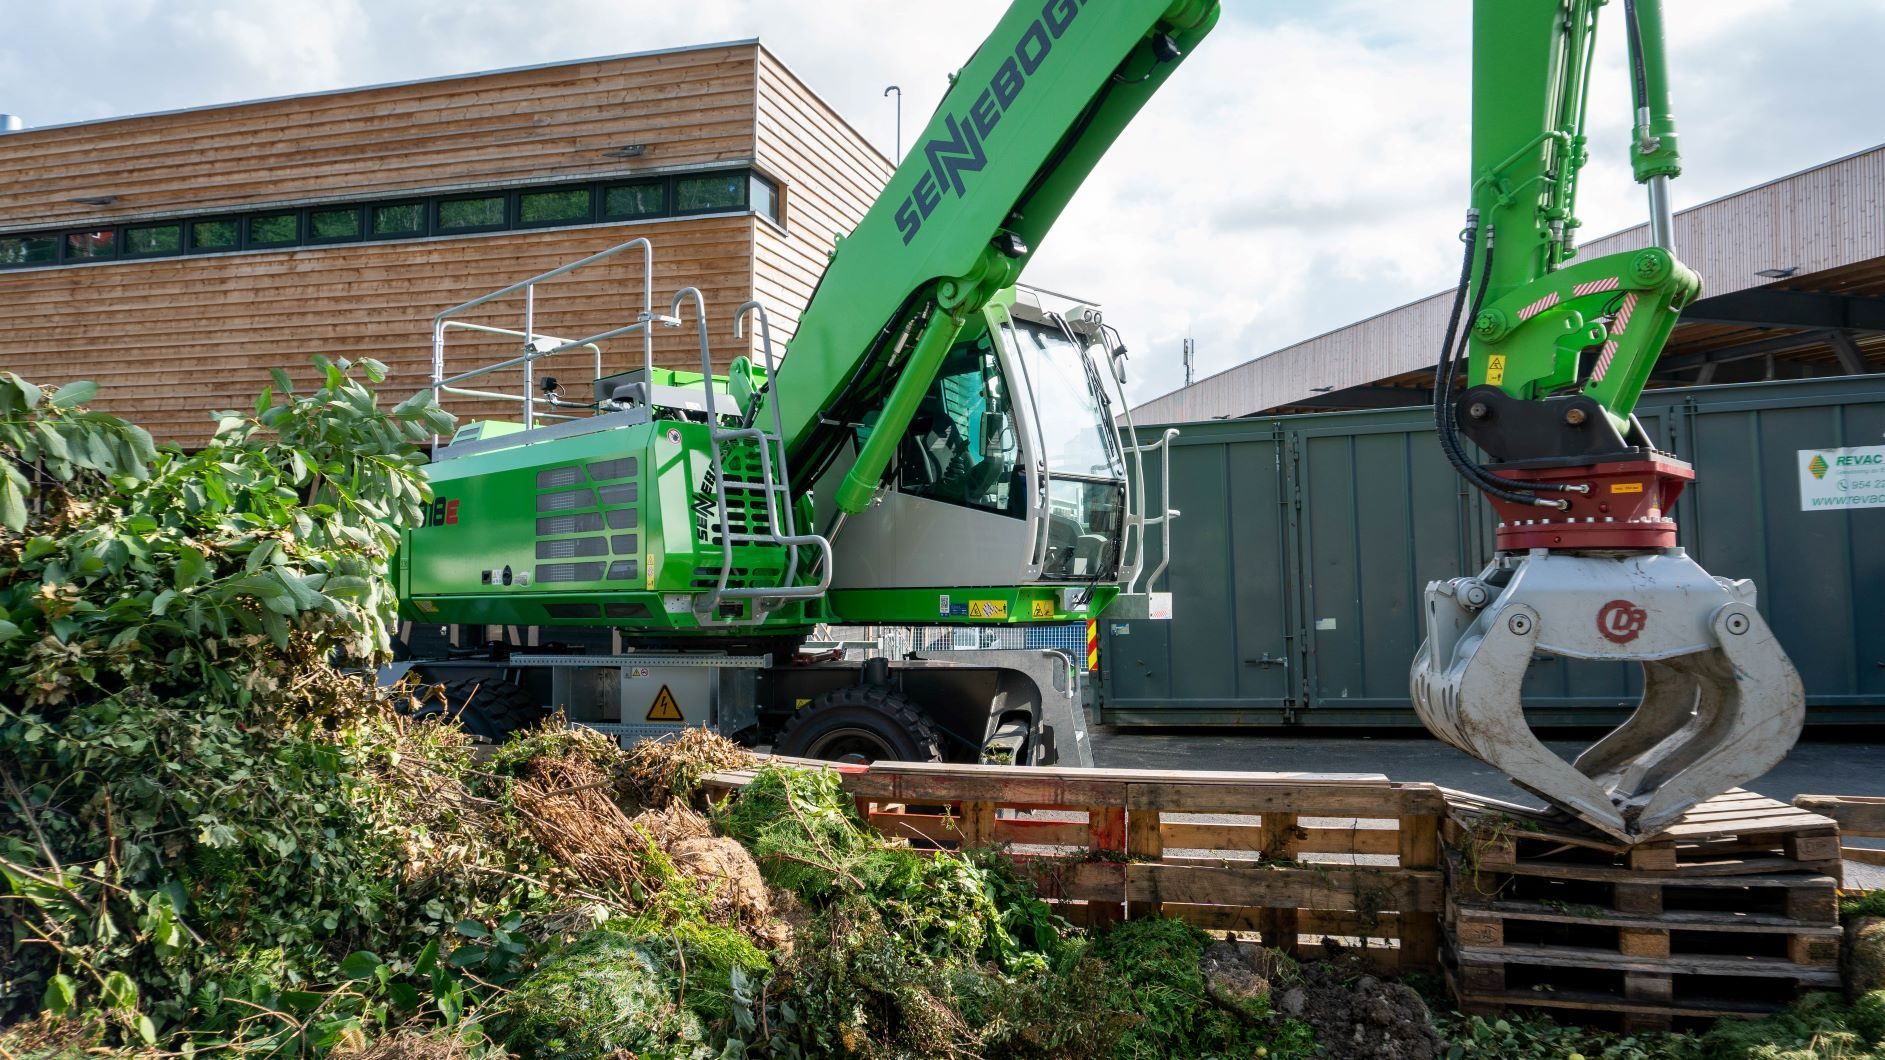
(707, 606)
(1163, 521)
(531, 354)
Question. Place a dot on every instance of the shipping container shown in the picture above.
(1299, 564)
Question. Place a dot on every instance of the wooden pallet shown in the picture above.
(1731, 911)
(1298, 858)
(1737, 833)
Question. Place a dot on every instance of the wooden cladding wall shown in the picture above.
(691, 107)
(173, 340)
(832, 175)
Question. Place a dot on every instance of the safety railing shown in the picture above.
(777, 494)
(536, 346)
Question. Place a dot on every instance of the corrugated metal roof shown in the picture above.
(1830, 217)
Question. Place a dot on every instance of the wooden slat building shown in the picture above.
(176, 257)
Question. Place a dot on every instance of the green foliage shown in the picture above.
(1870, 903)
(1818, 1027)
(608, 991)
(800, 826)
(1540, 1038)
(188, 828)
(1153, 970)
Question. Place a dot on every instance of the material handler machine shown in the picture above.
(937, 447)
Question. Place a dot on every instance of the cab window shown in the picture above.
(962, 446)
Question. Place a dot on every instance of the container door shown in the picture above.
(1382, 513)
(1224, 656)
(1757, 510)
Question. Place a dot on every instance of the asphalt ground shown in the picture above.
(1831, 762)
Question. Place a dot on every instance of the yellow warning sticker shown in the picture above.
(988, 609)
(1626, 487)
(1043, 609)
(801, 704)
(664, 707)
(1495, 369)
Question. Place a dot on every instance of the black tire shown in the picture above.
(861, 724)
(485, 706)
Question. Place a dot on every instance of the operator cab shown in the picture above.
(1011, 470)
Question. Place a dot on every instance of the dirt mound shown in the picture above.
(1358, 1016)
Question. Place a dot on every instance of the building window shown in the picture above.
(153, 239)
(274, 229)
(625, 202)
(326, 226)
(460, 212)
(470, 215)
(213, 235)
(87, 246)
(764, 195)
(710, 194)
(28, 250)
(553, 207)
(399, 219)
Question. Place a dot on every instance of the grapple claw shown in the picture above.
(1721, 704)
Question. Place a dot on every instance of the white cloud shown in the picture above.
(1306, 168)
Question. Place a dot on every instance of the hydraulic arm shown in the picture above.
(1556, 351)
(1022, 125)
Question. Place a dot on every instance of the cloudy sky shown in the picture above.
(1306, 167)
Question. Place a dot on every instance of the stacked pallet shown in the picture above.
(1300, 859)
(1731, 911)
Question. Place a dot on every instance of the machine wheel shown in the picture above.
(487, 706)
(861, 724)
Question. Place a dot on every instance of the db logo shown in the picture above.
(1620, 621)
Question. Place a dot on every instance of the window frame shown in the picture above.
(421, 203)
(667, 199)
(674, 194)
(359, 221)
(777, 214)
(247, 235)
(125, 251)
(438, 204)
(430, 217)
(58, 248)
(190, 245)
(63, 254)
(518, 195)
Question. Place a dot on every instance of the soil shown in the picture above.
(1356, 1015)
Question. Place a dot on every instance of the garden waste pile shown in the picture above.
(218, 837)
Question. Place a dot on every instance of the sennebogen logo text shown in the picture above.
(962, 150)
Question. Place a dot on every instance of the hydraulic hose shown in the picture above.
(1502, 488)
(1639, 78)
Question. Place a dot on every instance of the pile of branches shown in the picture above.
(217, 836)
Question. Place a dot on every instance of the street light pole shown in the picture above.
(899, 92)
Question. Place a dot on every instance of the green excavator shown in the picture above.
(937, 447)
